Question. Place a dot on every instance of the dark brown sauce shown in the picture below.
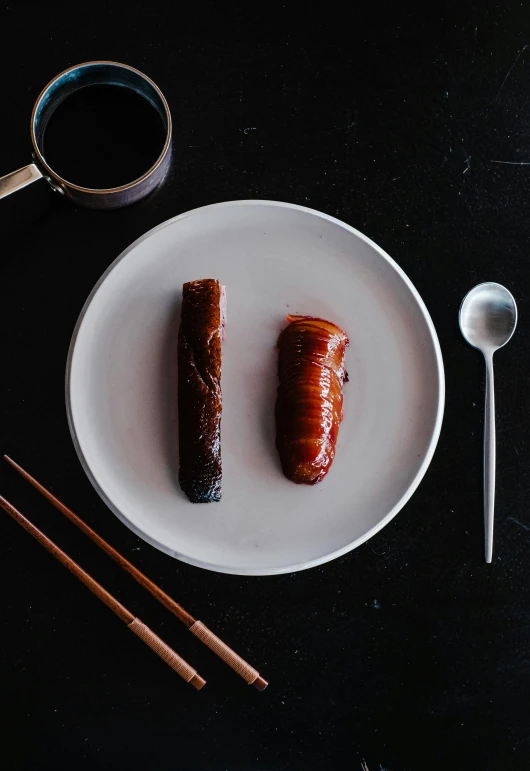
(103, 136)
(309, 400)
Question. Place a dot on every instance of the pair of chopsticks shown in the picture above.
(200, 630)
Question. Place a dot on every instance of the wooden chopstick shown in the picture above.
(134, 624)
(200, 630)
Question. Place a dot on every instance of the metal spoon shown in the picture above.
(488, 317)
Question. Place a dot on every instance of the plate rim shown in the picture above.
(250, 571)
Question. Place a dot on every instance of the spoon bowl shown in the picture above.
(488, 317)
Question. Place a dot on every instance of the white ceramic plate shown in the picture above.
(273, 258)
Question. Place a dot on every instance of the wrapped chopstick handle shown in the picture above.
(166, 653)
(230, 657)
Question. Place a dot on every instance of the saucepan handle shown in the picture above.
(19, 179)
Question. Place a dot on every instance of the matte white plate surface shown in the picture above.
(274, 258)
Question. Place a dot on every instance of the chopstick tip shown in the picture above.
(260, 683)
(197, 681)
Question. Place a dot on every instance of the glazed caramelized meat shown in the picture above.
(309, 401)
(199, 389)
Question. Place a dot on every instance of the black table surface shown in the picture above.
(408, 653)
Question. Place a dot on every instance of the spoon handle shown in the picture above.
(489, 460)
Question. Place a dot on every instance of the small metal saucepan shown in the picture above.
(88, 74)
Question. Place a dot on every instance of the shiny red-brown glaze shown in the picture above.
(309, 401)
(199, 390)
